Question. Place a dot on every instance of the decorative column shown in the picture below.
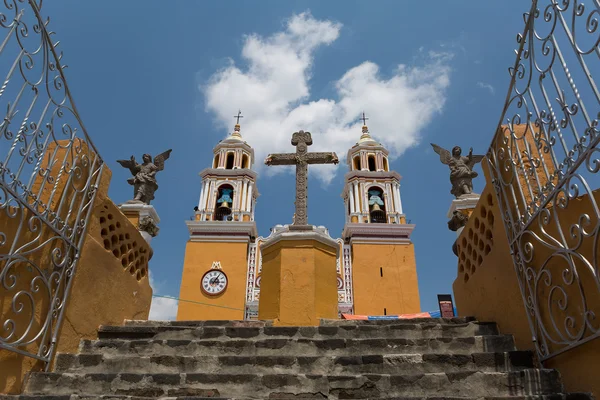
(201, 195)
(398, 199)
(356, 197)
(244, 195)
(249, 199)
(351, 199)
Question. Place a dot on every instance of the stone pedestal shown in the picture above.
(298, 280)
(143, 216)
(465, 204)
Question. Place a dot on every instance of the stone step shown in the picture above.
(373, 364)
(323, 322)
(300, 346)
(560, 396)
(401, 330)
(111, 397)
(475, 383)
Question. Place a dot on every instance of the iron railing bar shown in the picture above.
(22, 352)
(571, 346)
(33, 211)
(62, 75)
(13, 28)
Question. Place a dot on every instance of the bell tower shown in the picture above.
(383, 256)
(213, 284)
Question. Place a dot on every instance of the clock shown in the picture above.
(214, 282)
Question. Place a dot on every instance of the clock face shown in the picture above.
(214, 282)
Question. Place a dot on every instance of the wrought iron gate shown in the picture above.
(49, 174)
(544, 162)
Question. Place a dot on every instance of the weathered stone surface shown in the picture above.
(415, 359)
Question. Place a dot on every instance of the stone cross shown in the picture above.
(301, 158)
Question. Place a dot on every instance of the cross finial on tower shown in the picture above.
(364, 119)
(238, 116)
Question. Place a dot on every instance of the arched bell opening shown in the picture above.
(385, 164)
(356, 163)
(229, 162)
(224, 203)
(245, 161)
(377, 206)
(216, 161)
(372, 166)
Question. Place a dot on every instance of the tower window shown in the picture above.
(245, 161)
(356, 163)
(224, 203)
(372, 163)
(229, 163)
(385, 164)
(376, 206)
(216, 163)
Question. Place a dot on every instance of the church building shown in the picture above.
(376, 266)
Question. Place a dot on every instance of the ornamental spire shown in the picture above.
(365, 130)
(236, 129)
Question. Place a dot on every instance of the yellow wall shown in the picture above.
(299, 283)
(487, 286)
(397, 291)
(198, 260)
(103, 291)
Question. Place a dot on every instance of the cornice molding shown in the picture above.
(222, 231)
(377, 231)
(319, 234)
(373, 175)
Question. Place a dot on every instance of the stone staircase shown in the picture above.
(409, 359)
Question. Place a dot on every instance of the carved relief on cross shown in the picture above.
(301, 158)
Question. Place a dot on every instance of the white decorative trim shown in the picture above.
(216, 265)
(347, 263)
(221, 231)
(251, 274)
(143, 210)
(379, 231)
(465, 202)
(320, 234)
(368, 240)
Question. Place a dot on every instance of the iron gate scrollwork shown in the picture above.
(49, 175)
(544, 162)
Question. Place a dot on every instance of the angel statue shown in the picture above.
(144, 175)
(461, 169)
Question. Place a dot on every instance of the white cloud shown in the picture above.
(162, 309)
(273, 92)
(486, 86)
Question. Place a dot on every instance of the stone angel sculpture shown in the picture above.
(461, 168)
(144, 175)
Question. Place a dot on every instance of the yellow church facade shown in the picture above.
(375, 261)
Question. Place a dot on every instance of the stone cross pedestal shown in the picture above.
(142, 216)
(299, 279)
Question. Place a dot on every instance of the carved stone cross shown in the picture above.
(301, 158)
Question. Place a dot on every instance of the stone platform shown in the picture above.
(409, 359)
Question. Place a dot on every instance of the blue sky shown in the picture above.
(148, 76)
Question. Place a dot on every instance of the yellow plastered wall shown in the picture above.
(488, 289)
(397, 291)
(199, 257)
(298, 283)
(103, 291)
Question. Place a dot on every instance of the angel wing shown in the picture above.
(445, 156)
(160, 159)
(127, 163)
(475, 159)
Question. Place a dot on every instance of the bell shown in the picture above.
(375, 207)
(224, 205)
